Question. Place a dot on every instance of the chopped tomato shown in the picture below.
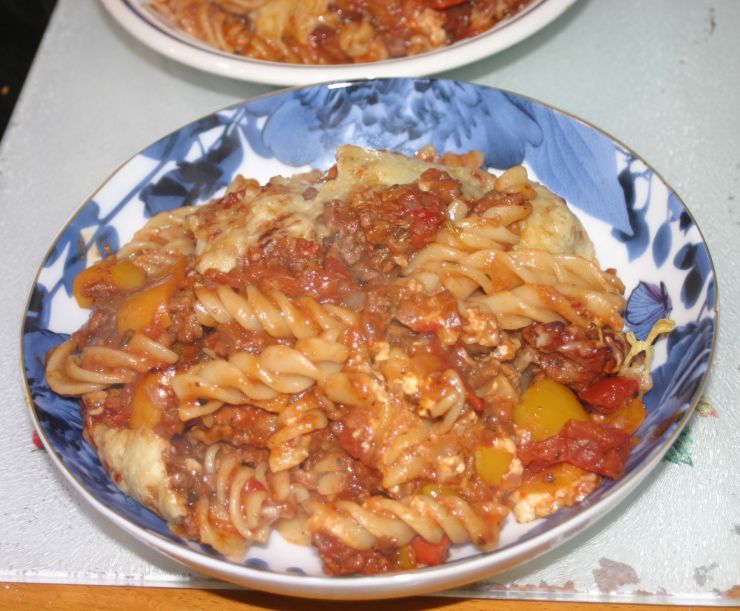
(37, 440)
(424, 226)
(609, 394)
(336, 267)
(352, 444)
(430, 554)
(628, 418)
(254, 485)
(426, 326)
(588, 445)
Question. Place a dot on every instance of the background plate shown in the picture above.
(156, 33)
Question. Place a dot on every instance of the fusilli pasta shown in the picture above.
(381, 360)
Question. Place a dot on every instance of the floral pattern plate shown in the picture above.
(153, 31)
(639, 226)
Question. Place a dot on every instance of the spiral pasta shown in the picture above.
(243, 503)
(289, 445)
(273, 313)
(360, 526)
(72, 372)
(161, 242)
(349, 358)
(472, 253)
(278, 369)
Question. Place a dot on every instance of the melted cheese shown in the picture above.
(134, 460)
(552, 227)
(224, 233)
(356, 165)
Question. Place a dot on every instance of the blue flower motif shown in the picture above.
(678, 379)
(695, 258)
(578, 163)
(662, 244)
(177, 144)
(306, 127)
(192, 181)
(647, 304)
(37, 316)
(637, 238)
(36, 345)
(257, 563)
(74, 248)
(677, 212)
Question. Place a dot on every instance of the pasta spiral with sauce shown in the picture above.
(381, 360)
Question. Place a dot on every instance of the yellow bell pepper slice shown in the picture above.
(492, 464)
(553, 479)
(145, 412)
(147, 308)
(545, 407)
(123, 275)
(435, 490)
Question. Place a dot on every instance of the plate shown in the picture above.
(639, 226)
(157, 34)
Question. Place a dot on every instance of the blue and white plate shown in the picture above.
(639, 226)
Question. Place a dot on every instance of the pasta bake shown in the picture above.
(382, 360)
(336, 31)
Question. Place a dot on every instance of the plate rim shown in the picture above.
(394, 584)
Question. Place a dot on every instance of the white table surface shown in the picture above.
(662, 76)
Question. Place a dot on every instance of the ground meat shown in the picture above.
(340, 559)
(425, 313)
(294, 266)
(231, 337)
(376, 233)
(495, 198)
(360, 480)
(575, 356)
(184, 463)
(457, 23)
(101, 327)
(239, 425)
(184, 326)
(112, 409)
(355, 434)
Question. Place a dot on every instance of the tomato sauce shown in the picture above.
(585, 444)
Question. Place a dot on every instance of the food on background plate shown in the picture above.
(381, 360)
(336, 31)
